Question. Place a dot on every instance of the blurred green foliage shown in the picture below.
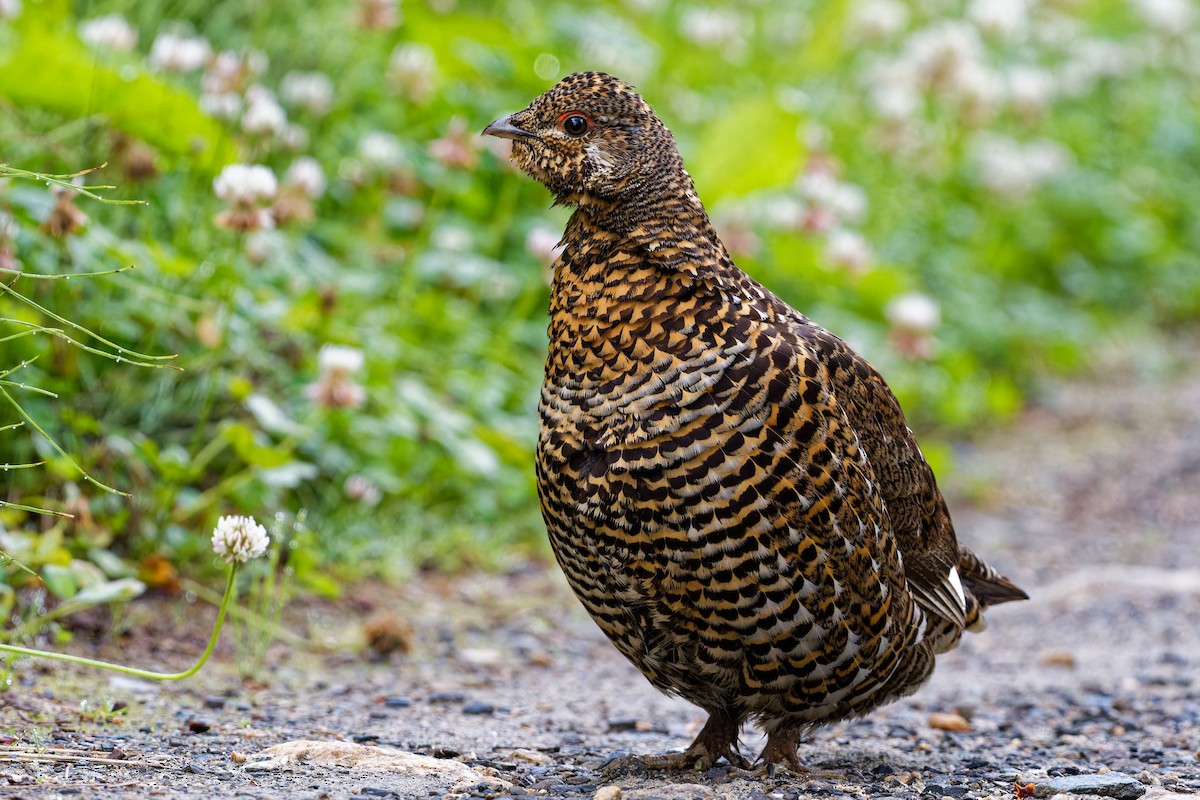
(428, 254)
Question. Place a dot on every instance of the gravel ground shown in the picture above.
(1091, 502)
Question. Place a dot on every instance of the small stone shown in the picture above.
(478, 707)
(199, 726)
(237, 758)
(949, 722)
(214, 702)
(1111, 784)
(531, 756)
(447, 697)
(608, 793)
(398, 702)
(1059, 658)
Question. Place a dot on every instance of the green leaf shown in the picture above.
(51, 69)
(119, 591)
(60, 581)
(752, 145)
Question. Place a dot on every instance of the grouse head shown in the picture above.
(594, 142)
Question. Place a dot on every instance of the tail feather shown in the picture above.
(985, 587)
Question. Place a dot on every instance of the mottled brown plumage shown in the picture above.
(732, 492)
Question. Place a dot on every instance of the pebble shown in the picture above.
(199, 725)
(447, 697)
(608, 793)
(478, 707)
(943, 721)
(1111, 784)
(214, 702)
(398, 702)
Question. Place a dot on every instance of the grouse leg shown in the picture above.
(718, 738)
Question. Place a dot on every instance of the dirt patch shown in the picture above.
(1091, 502)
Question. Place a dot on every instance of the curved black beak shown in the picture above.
(504, 128)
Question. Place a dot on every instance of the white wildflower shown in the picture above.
(940, 52)
(245, 183)
(878, 20)
(239, 539)
(339, 359)
(173, 52)
(543, 244)
(849, 202)
(894, 90)
(363, 490)
(1013, 169)
(1092, 60)
(1030, 90)
(311, 91)
(226, 105)
(1002, 18)
(264, 116)
(110, 32)
(1168, 16)
(714, 27)
(381, 150)
(306, 175)
(453, 238)
(849, 250)
(412, 70)
(914, 312)
(10, 9)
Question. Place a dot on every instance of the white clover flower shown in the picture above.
(713, 27)
(543, 244)
(239, 539)
(848, 249)
(245, 184)
(173, 52)
(412, 69)
(878, 20)
(914, 312)
(1092, 60)
(894, 89)
(110, 32)
(306, 175)
(10, 9)
(311, 91)
(1012, 168)
(225, 105)
(1030, 90)
(264, 116)
(381, 150)
(453, 238)
(339, 359)
(1168, 16)
(941, 51)
(1001, 18)
(363, 490)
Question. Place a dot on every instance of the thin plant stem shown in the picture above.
(135, 671)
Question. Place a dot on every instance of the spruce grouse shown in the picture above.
(732, 492)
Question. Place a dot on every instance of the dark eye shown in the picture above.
(574, 124)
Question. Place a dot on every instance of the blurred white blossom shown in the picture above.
(878, 20)
(307, 175)
(110, 32)
(379, 14)
(381, 150)
(245, 187)
(1003, 18)
(340, 359)
(334, 388)
(311, 91)
(239, 539)
(245, 183)
(263, 116)
(173, 52)
(10, 9)
(1030, 90)
(543, 244)
(913, 318)
(361, 489)
(1168, 16)
(1091, 60)
(715, 27)
(849, 250)
(1013, 169)
(223, 106)
(412, 70)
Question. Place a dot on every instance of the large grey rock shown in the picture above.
(1110, 784)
